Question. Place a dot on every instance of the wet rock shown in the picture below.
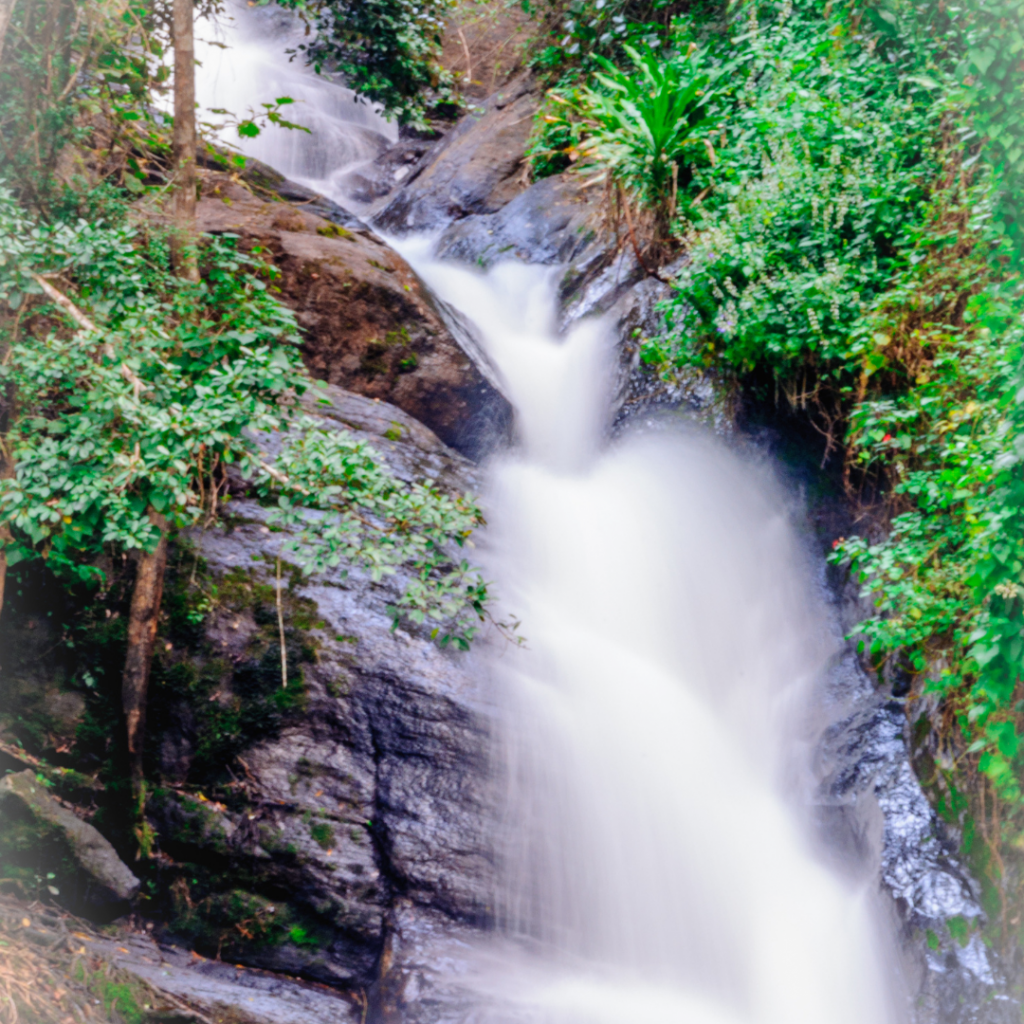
(224, 990)
(390, 170)
(379, 788)
(436, 971)
(369, 324)
(553, 221)
(872, 805)
(558, 221)
(476, 168)
(111, 879)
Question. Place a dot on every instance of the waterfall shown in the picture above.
(242, 63)
(653, 855)
(655, 866)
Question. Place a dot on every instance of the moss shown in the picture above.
(373, 362)
(323, 835)
(235, 703)
(231, 922)
(400, 336)
(337, 685)
(124, 998)
(960, 929)
(335, 231)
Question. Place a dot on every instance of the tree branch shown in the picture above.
(60, 299)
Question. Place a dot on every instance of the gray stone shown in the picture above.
(390, 753)
(223, 990)
(476, 168)
(93, 853)
(872, 805)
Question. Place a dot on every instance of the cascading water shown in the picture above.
(649, 856)
(654, 868)
(242, 64)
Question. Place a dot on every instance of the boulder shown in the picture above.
(366, 781)
(476, 168)
(111, 879)
(369, 324)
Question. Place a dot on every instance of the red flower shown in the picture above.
(888, 437)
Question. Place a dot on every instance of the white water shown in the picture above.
(655, 869)
(651, 858)
(243, 63)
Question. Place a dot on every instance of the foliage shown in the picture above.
(384, 525)
(990, 38)
(144, 411)
(642, 122)
(946, 578)
(149, 411)
(854, 240)
(386, 50)
(74, 82)
(822, 161)
(580, 30)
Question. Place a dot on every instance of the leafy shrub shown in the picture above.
(76, 77)
(641, 123)
(855, 241)
(147, 408)
(822, 160)
(387, 50)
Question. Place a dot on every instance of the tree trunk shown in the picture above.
(6, 471)
(184, 233)
(7, 397)
(149, 574)
(6, 9)
(142, 625)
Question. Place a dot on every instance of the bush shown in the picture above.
(641, 124)
(387, 50)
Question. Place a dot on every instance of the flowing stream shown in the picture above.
(653, 856)
(243, 64)
(655, 868)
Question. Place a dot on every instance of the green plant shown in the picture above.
(322, 834)
(823, 155)
(142, 410)
(852, 246)
(377, 522)
(644, 125)
(75, 79)
(387, 50)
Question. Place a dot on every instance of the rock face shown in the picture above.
(369, 324)
(111, 880)
(178, 986)
(476, 168)
(871, 803)
(372, 784)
